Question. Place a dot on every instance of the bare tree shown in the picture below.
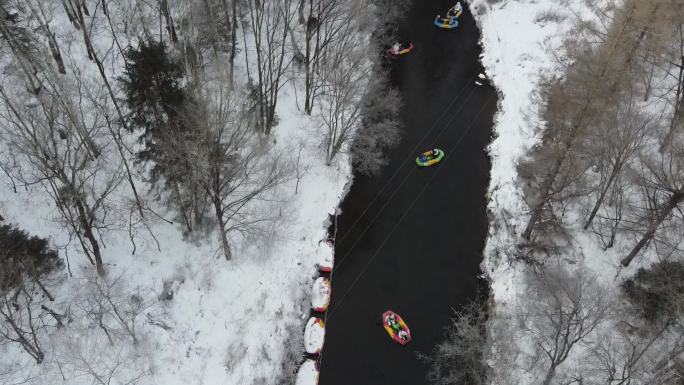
(84, 353)
(672, 62)
(624, 355)
(613, 143)
(346, 82)
(38, 12)
(325, 24)
(269, 23)
(460, 359)
(567, 306)
(112, 307)
(661, 178)
(593, 78)
(21, 320)
(380, 126)
(608, 221)
(39, 77)
(44, 135)
(114, 125)
(232, 168)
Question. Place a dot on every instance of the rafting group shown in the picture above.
(448, 22)
(430, 157)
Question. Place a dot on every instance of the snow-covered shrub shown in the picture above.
(459, 359)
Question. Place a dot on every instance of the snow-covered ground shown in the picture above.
(229, 322)
(522, 40)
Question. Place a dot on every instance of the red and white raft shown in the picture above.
(314, 335)
(399, 49)
(325, 256)
(395, 326)
(320, 294)
(307, 374)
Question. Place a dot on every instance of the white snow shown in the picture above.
(521, 44)
(325, 256)
(308, 373)
(314, 335)
(320, 294)
(229, 322)
(518, 48)
(516, 52)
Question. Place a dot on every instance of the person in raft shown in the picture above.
(396, 47)
(423, 157)
(402, 334)
(393, 323)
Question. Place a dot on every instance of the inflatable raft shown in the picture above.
(428, 158)
(325, 256)
(307, 374)
(399, 49)
(455, 11)
(396, 327)
(314, 335)
(446, 22)
(320, 294)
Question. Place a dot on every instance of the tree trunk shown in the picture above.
(87, 227)
(164, 7)
(233, 42)
(181, 206)
(308, 102)
(33, 350)
(678, 109)
(604, 191)
(221, 229)
(115, 135)
(549, 375)
(56, 54)
(672, 203)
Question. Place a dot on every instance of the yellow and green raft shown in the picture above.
(428, 158)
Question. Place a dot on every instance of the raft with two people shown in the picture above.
(396, 327)
(428, 158)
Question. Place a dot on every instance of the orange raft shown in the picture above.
(396, 327)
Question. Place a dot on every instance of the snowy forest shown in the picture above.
(584, 254)
(165, 166)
